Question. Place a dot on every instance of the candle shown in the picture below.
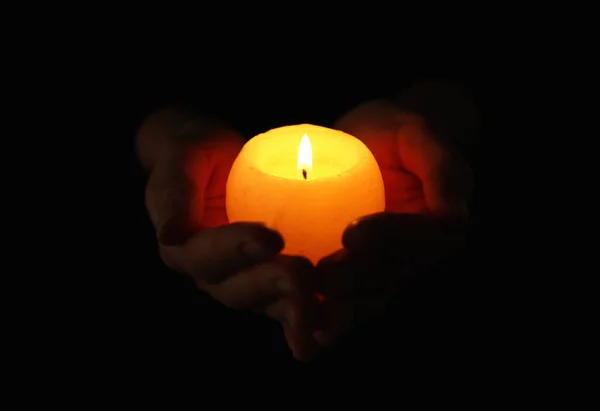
(308, 183)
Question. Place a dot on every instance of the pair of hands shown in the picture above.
(427, 186)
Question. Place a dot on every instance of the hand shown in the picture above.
(427, 186)
(237, 264)
(381, 253)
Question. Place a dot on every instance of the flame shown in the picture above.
(305, 157)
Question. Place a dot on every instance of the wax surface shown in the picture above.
(266, 184)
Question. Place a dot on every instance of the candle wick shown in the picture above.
(304, 173)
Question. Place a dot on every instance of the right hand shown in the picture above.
(237, 264)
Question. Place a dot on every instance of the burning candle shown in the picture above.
(308, 183)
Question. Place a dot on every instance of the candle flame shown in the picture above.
(305, 157)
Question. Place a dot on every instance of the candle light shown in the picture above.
(308, 183)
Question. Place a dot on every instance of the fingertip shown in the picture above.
(262, 249)
(254, 239)
(271, 238)
(293, 274)
(260, 233)
(368, 220)
(304, 347)
(357, 230)
(301, 263)
(333, 258)
(370, 217)
(351, 232)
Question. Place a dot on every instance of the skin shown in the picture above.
(427, 186)
(188, 161)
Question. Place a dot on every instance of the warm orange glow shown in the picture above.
(310, 210)
(305, 157)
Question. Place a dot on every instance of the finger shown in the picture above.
(298, 318)
(212, 255)
(448, 107)
(444, 174)
(167, 200)
(187, 189)
(331, 275)
(355, 287)
(263, 283)
(349, 275)
(220, 153)
(401, 236)
(340, 316)
(171, 197)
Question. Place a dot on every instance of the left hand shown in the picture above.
(239, 264)
(427, 185)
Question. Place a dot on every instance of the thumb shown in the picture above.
(380, 231)
(411, 238)
(444, 173)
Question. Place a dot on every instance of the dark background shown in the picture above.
(253, 101)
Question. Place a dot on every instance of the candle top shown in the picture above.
(305, 152)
